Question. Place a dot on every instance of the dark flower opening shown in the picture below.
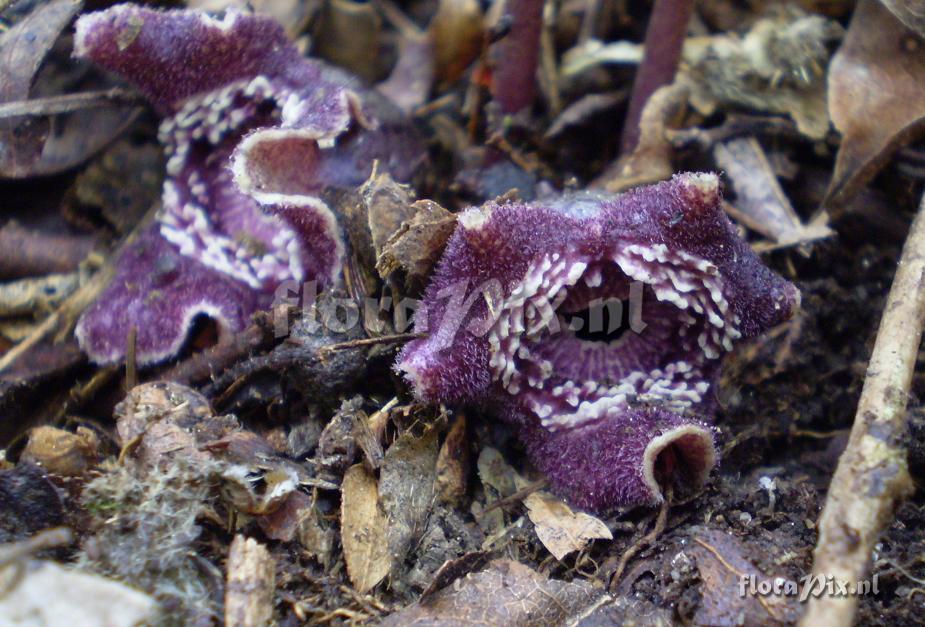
(681, 458)
(668, 327)
(600, 321)
(614, 411)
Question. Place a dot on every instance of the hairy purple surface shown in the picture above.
(253, 133)
(610, 415)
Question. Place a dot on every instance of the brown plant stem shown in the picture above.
(67, 103)
(26, 252)
(516, 56)
(872, 477)
(664, 40)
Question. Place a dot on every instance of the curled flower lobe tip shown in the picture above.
(253, 133)
(597, 324)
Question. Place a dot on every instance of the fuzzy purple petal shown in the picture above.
(173, 55)
(624, 461)
(253, 133)
(504, 317)
(159, 292)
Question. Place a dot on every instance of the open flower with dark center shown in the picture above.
(597, 324)
(253, 133)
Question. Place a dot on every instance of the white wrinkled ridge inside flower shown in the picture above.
(210, 118)
(685, 281)
(701, 327)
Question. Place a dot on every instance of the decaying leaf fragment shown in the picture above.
(722, 561)
(364, 529)
(760, 202)
(33, 145)
(61, 452)
(650, 160)
(499, 480)
(159, 421)
(453, 464)
(876, 97)
(778, 67)
(46, 593)
(561, 530)
(417, 243)
(406, 490)
(506, 593)
(22, 50)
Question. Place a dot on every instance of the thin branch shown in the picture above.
(369, 341)
(61, 321)
(28, 252)
(661, 521)
(872, 477)
(115, 97)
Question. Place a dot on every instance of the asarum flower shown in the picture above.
(253, 133)
(611, 414)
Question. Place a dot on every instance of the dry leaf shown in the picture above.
(499, 480)
(408, 86)
(61, 452)
(387, 204)
(561, 530)
(457, 32)
(406, 490)
(650, 161)
(760, 202)
(22, 50)
(348, 34)
(45, 593)
(506, 593)
(364, 529)
(594, 52)
(163, 420)
(416, 245)
(722, 562)
(40, 295)
(910, 12)
(876, 97)
(496, 473)
(453, 569)
(580, 111)
(41, 145)
(453, 464)
(626, 611)
(778, 67)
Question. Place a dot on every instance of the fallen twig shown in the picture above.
(26, 252)
(62, 320)
(115, 97)
(369, 341)
(517, 497)
(872, 475)
(661, 521)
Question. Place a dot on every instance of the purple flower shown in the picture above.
(597, 324)
(253, 133)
